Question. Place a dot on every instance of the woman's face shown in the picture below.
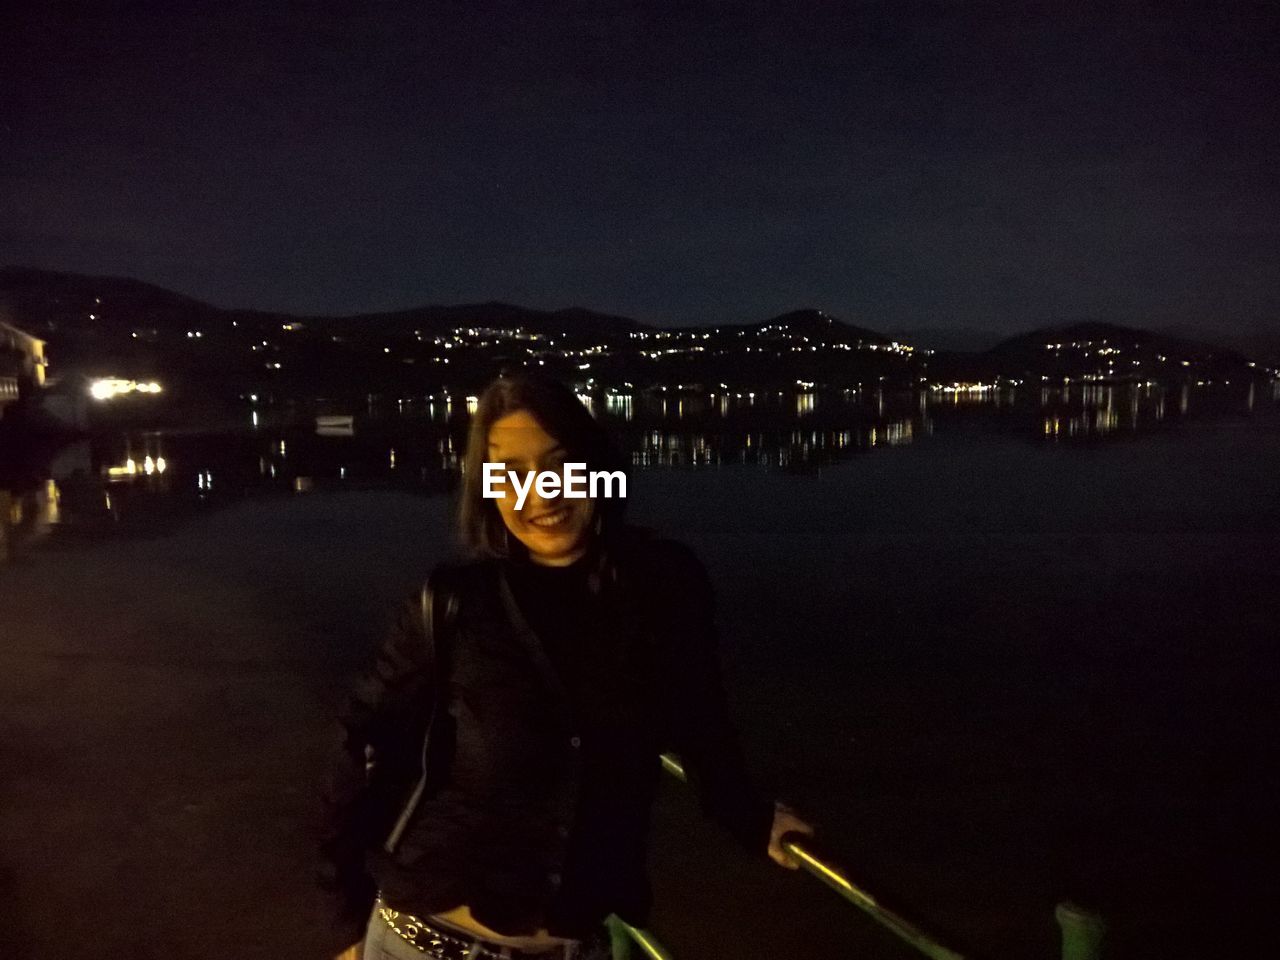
(556, 531)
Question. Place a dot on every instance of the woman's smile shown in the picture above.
(550, 519)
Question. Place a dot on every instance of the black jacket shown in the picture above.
(525, 794)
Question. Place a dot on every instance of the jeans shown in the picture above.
(383, 943)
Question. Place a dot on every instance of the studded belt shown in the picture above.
(441, 943)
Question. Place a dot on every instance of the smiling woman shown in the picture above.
(528, 424)
(552, 529)
(579, 651)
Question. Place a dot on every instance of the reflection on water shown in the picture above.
(27, 516)
(417, 443)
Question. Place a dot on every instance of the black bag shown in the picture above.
(403, 764)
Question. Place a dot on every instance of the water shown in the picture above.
(121, 479)
(1001, 663)
(1006, 674)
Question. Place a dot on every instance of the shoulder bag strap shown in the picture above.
(437, 634)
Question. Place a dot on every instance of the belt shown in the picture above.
(451, 943)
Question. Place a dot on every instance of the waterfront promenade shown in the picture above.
(166, 703)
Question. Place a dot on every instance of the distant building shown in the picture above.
(22, 363)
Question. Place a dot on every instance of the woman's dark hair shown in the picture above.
(559, 412)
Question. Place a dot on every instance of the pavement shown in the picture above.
(167, 697)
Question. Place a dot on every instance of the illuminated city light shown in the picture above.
(129, 469)
(962, 387)
(109, 387)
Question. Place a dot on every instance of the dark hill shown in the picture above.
(810, 320)
(29, 283)
(1089, 330)
(47, 301)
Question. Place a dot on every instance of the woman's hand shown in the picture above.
(785, 821)
(351, 953)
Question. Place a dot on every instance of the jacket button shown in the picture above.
(575, 741)
(563, 832)
(554, 878)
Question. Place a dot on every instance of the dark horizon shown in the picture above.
(957, 337)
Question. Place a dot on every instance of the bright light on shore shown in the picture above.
(109, 387)
(963, 387)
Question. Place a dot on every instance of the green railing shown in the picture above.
(1082, 930)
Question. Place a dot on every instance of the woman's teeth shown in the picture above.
(553, 519)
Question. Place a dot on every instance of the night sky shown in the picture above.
(895, 164)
